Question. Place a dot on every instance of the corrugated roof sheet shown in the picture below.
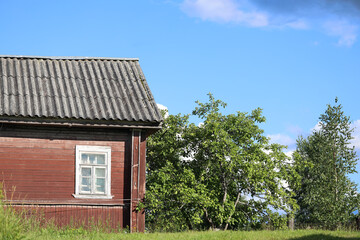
(75, 88)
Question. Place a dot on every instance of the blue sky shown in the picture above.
(289, 58)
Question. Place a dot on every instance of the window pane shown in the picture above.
(100, 189)
(86, 172)
(92, 158)
(85, 184)
(85, 181)
(100, 172)
(85, 188)
(100, 158)
(100, 181)
(84, 158)
(100, 185)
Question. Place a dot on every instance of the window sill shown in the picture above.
(84, 196)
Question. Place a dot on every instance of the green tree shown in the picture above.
(222, 173)
(174, 198)
(239, 168)
(326, 196)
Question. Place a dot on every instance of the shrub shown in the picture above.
(276, 221)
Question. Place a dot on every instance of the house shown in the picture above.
(73, 138)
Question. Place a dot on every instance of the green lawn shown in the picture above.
(14, 227)
(208, 235)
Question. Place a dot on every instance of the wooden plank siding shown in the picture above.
(75, 216)
(134, 191)
(138, 180)
(37, 168)
(142, 180)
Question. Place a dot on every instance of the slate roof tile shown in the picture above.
(75, 88)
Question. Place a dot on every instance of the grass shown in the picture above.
(207, 235)
(15, 225)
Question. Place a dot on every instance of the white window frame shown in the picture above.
(94, 150)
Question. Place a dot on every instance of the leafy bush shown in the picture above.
(276, 221)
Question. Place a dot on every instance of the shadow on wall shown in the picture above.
(323, 237)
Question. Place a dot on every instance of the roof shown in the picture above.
(75, 88)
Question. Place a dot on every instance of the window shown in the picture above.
(93, 172)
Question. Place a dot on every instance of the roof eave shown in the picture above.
(81, 123)
(69, 57)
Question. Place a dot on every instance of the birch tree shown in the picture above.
(327, 197)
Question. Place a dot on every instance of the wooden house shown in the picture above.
(73, 138)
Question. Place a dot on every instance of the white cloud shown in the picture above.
(284, 139)
(162, 107)
(289, 153)
(346, 32)
(338, 19)
(294, 129)
(223, 11)
(356, 134)
(298, 24)
(281, 139)
(316, 128)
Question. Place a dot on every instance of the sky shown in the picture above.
(291, 58)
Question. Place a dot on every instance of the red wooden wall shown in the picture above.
(75, 215)
(138, 180)
(37, 168)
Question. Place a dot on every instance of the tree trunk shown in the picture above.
(235, 204)
(224, 197)
(209, 219)
(291, 223)
(336, 178)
